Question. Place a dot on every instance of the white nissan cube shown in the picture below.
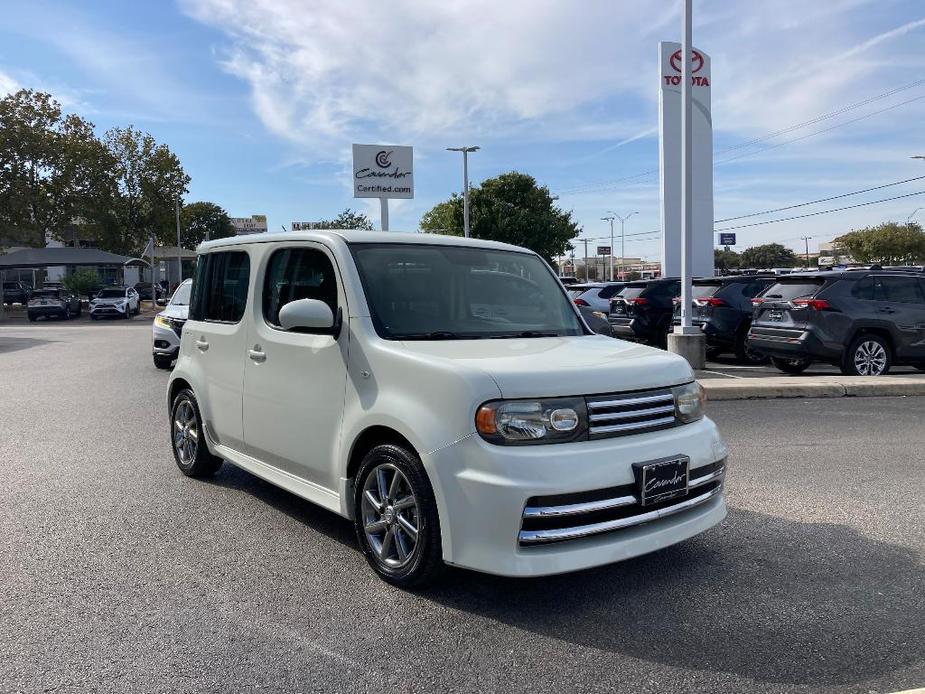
(445, 395)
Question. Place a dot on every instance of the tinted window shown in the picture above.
(221, 286)
(297, 273)
(902, 289)
(457, 292)
(45, 294)
(703, 289)
(788, 291)
(632, 292)
(865, 289)
(610, 291)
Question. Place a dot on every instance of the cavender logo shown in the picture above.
(383, 159)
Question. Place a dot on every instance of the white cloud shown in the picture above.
(7, 84)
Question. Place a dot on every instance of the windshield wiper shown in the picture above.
(436, 335)
(527, 333)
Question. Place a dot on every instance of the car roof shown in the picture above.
(847, 274)
(356, 236)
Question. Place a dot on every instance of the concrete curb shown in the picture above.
(811, 387)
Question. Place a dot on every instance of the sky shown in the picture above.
(261, 99)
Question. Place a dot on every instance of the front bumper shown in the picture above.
(164, 341)
(482, 491)
(46, 310)
(108, 310)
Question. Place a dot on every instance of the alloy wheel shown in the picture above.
(186, 432)
(870, 358)
(390, 515)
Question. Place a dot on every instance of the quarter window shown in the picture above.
(297, 273)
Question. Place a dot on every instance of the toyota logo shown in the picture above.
(382, 159)
(696, 61)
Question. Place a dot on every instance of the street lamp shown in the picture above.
(465, 152)
(610, 219)
(622, 238)
(909, 218)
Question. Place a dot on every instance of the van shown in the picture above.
(368, 372)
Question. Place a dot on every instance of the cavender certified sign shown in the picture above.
(383, 171)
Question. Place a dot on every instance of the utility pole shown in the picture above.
(465, 152)
(623, 239)
(610, 219)
(179, 249)
(806, 241)
(585, 242)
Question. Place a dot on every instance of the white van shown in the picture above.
(445, 395)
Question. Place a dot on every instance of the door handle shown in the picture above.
(202, 344)
(257, 355)
(887, 309)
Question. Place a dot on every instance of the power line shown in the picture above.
(604, 185)
(814, 202)
(821, 212)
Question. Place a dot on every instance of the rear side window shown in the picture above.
(220, 287)
(705, 289)
(297, 273)
(788, 291)
(906, 290)
(631, 292)
(610, 291)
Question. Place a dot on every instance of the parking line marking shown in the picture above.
(719, 373)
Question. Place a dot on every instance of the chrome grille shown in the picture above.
(620, 415)
(574, 516)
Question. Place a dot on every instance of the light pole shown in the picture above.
(909, 218)
(179, 250)
(610, 219)
(806, 241)
(465, 152)
(622, 238)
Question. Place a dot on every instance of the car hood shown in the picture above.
(175, 311)
(108, 301)
(560, 366)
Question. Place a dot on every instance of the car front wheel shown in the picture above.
(396, 519)
(791, 366)
(163, 361)
(187, 438)
(867, 355)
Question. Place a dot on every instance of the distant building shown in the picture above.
(255, 224)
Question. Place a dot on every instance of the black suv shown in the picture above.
(642, 310)
(862, 321)
(723, 311)
(15, 293)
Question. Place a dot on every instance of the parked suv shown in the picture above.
(15, 293)
(45, 303)
(642, 310)
(723, 311)
(371, 374)
(864, 321)
(595, 296)
(118, 302)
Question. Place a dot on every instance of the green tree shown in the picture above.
(150, 180)
(890, 243)
(348, 219)
(725, 259)
(202, 221)
(82, 282)
(511, 208)
(54, 172)
(767, 256)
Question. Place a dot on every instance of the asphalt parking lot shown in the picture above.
(120, 575)
(726, 366)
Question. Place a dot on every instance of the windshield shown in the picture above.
(435, 292)
(111, 293)
(181, 296)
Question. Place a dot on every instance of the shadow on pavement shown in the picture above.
(15, 344)
(761, 597)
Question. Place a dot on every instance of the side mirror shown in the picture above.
(310, 316)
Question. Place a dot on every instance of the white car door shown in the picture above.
(294, 382)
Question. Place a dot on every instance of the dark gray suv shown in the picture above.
(862, 321)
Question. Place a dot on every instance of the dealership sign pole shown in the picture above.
(384, 172)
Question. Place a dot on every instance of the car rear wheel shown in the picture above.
(32, 318)
(187, 439)
(791, 366)
(395, 516)
(867, 355)
(745, 354)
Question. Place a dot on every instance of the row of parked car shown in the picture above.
(57, 302)
(863, 321)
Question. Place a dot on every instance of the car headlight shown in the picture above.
(524, 422)
(688, 402)
(161, 321)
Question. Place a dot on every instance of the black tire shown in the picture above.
(713, 352)
(745, 355)
(867, 355)
(92, 317)
(128, 313)
(920, 367)
(32, 318)
(195, 460)
(791, 366)
(424, 563)
(163, 361)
